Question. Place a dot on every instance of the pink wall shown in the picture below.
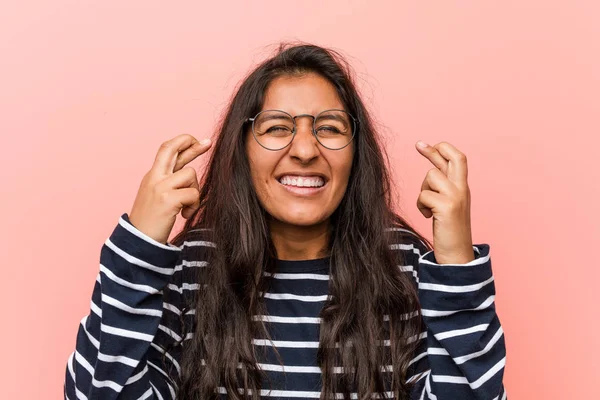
(88, 91)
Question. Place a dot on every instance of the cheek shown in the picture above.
(261, 168)
(342, 168)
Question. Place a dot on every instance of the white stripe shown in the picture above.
(171, 307)
(460, 332)
(84, 363)
(397, 229)
(118, 359)
(174, 335)
(477, 261)
(409, 268)
(190, 264)
(406, 247)
(411, 339)
(70, 367)
(109, 384)
(450, 379)
(96, 383)
(418, 376)
(301, 394)
(199, 230)
(137, 376)
(319, 277)
(146, 394)
(156, 392)
(476, 384)
(417, 358)
(491, 372)
(80, 395)
(123, 282)
(184, 286)
(171, 390)
(136, 261)
(300, 344)
(122, 306)
(145, 237)
(289, 368)
(95, 309)
(455, 289)
(487, 348)
(312, 320)
(92, 339)
(403, 317)
(422, 397)
(437, 351)
(285, 343)
(167, 355)
(436, 313)
(290, 296)
(428, 389)
(287, 320)
(195, 243)
(126, 333)
(420, 336)
(169, 332)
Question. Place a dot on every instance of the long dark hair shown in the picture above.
(370, 298)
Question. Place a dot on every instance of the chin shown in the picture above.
(302, 218)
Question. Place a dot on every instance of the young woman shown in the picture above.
(293, 277)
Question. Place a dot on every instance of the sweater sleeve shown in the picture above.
(464, 342)
(121, 342)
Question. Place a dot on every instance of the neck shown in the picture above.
(294, 242)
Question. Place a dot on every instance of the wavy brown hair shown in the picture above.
(365, 285)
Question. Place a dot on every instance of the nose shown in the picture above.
(305, 146)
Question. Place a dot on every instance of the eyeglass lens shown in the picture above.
(275, 129)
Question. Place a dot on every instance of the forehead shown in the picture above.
(304, 94)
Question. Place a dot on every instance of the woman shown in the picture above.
(293, 277)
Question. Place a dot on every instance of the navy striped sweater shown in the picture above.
(120, 347)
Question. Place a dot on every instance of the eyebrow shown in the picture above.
(330, 115)
(337, 117)
(269, 117)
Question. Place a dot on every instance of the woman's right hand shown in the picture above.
(168, 188)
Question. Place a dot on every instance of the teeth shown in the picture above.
(302, 181)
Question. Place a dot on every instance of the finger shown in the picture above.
(433, 155)
(184, 178)
(189, 154)
(166, 157)
(189, 201)
(190, 209)
(457, 162)
(436, 181)
(428, 201)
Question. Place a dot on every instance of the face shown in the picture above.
(303, 183)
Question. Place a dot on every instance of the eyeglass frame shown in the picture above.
(295, 130)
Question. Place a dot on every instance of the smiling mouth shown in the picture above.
(302, 181)
(302, 185)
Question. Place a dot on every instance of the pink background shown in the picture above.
(89, 90)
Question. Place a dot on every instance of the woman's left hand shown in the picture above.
(445, 195)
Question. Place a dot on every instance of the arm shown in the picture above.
(120, 342)
(464, 348)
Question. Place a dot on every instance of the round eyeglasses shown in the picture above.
(275, 129)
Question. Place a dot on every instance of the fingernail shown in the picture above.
(421, 144)
(204, 142)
